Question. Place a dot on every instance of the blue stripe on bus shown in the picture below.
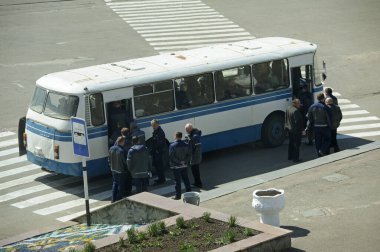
(52, 133)
(95, 167)
(215, 108)
(231, 138)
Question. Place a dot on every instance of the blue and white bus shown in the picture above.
(235, 93)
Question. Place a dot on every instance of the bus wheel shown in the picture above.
(272, 131)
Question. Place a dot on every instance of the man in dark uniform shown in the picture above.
(179, 157)
(337, 116)
(120, 183)
(139, 165)
(194, 136)
(158, 149)
(294, 126)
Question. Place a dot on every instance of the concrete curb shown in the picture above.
(260, 179)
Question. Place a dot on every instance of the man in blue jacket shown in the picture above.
(139, 165)
(179, 158)
(319, 118)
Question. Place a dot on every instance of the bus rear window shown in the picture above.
(61, 106)
(38, 100)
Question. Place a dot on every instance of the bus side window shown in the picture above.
(153, 98)
(279, 74)
(194, 91)
(97, 109)
(233, 83)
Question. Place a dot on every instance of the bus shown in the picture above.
(235, 93)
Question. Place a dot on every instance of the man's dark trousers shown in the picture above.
(121, 185)
(294, 146)
(158, 164)
(141, 184)
(322, 137)
(178, 174)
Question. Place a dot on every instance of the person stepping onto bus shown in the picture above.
(136, 131)
(319, 118)
(179, 158)
(118, 164)
(158, 150)
(194, 137)
(139, 165)
(336, 115)
(294, 126)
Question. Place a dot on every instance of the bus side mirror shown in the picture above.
(324, 76)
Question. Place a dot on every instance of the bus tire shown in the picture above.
(272, 131)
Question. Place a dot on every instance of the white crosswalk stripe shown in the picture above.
(38, 188)
(8, 152)
(13, 161)
(7, 143)
(6, 133)
(170, 25)
(73, 203)
(23, 180)
(18, 170)
(53, 196)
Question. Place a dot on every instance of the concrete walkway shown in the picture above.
(332, 203)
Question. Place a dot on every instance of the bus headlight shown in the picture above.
(56, 151)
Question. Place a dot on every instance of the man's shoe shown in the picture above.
(176, 198)
(297, 161)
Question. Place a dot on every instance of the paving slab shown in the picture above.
(332, 202)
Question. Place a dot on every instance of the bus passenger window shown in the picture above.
(279, 74)
(158, 98)
(269, 76)
(97, 109)
(261, 72)
(233, 83)
(194, 91)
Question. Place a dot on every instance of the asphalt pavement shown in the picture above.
(332, 203)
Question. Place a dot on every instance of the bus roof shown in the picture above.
(170, 65)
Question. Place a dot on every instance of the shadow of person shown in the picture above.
(297, 231)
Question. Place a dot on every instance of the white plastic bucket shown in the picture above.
(191, 198)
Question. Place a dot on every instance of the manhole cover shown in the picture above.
(336, 177)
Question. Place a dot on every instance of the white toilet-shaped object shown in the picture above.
(269, 203)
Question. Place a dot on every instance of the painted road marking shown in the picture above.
(6, 133)
(8, 152)
(38, 188)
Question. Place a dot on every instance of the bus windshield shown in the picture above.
(61, 106)
(38, 100)
(57, 105)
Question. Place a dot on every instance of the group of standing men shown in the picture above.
(320, 119)
(131, 161)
